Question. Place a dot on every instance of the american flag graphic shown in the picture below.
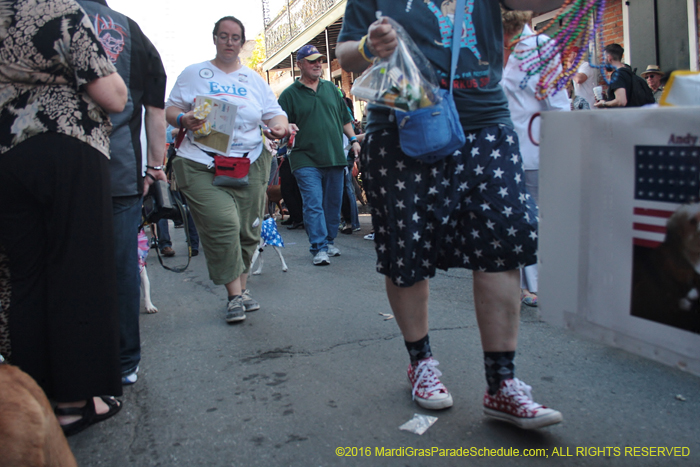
(666, 177)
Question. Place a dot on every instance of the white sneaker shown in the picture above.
(321, 259)
(333, 250)
(369, 236)
(428, 391)
(249, 303)
(513, 403)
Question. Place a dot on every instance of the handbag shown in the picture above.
(430, 134)
(231, 171)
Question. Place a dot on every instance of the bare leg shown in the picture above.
(497, 302)
(234, 287)
(410, 307)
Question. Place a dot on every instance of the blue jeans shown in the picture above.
(163, 232)
(322, 195)
(352, 200)
(127, 217)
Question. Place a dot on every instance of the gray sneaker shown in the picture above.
(333, 250)
(321, 259)
(249, 303)
(235, 311)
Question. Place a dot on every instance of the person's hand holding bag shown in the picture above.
(381, 38)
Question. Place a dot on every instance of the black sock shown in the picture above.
(231, 297)
(499, 367)
(419, 350)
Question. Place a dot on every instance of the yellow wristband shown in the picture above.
(361, 49)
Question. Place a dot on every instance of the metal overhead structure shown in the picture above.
(322, 31)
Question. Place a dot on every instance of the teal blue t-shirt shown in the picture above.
(478, 95)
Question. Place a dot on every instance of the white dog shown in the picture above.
(145, 283)
(268, 236)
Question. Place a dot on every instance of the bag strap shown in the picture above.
(456, 39)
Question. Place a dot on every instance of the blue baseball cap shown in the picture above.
(308, 52)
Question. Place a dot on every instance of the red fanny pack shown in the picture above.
(231, 171)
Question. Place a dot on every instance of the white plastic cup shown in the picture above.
(598, 93)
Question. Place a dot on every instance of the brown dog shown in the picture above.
(30, 435)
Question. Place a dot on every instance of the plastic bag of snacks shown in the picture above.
(201, 112)
(405, 80)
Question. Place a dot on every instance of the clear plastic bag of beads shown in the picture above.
(405, 80)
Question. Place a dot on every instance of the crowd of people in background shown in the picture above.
(74, 326)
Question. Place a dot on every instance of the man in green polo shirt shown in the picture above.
(318, 158)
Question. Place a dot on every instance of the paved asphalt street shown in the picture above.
(318, 368)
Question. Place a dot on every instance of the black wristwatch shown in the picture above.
(157, 167)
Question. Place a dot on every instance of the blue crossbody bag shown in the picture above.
(432, 133)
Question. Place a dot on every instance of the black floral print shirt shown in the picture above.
(48, 53)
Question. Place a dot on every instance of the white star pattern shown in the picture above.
(487, 231)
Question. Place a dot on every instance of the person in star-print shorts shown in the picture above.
(469, 210)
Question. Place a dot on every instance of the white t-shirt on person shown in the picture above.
(245, 88)
(585, 89)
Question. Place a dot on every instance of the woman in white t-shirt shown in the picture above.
(227, 218)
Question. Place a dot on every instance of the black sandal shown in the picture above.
(87, 414)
